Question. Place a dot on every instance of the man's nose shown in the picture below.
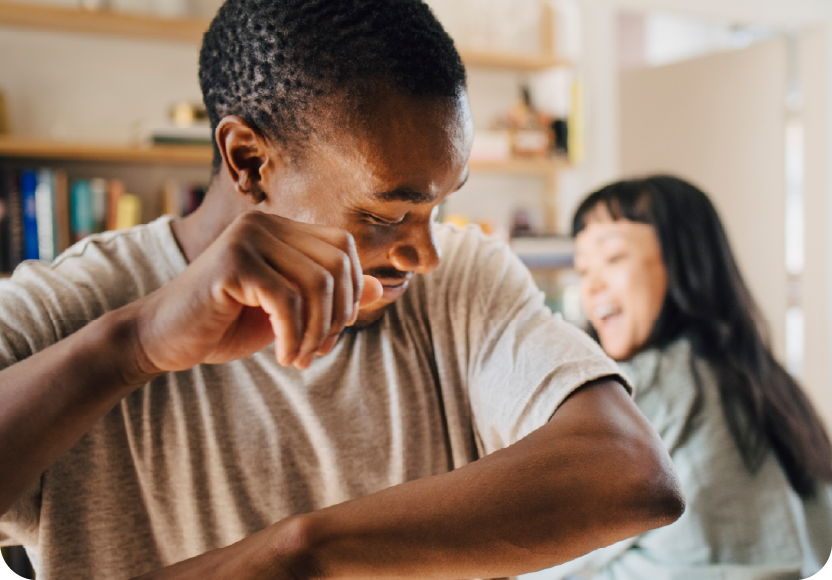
(416, 250)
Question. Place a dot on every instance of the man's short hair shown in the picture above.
(272, 61)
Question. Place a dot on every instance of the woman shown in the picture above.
(663, 294)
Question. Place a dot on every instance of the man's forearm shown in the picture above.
(592, 476)
(52, 398)
(573, 486)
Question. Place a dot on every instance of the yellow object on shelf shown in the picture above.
(128, 212)
(457, 219)
(575, 136)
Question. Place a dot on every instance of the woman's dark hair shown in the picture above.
(708, 302)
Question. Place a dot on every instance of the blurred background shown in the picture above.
(99, 99)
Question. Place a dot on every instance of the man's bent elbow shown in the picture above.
(655, 492)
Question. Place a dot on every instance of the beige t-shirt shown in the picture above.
(468, 361)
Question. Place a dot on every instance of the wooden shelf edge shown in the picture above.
(191, 30)
(13, 147)
(101, 22)
(161, 154)
(543, 167)
(511, 61)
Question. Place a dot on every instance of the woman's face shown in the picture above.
(623, 281)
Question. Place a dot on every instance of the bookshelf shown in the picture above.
(14, 147)
(190, 30)
(150, 165)
(46, 150)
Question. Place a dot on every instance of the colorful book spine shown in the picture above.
(129, 211)
(81, 204)
(99, 203)
(45, 214)
(15, 209)
(115, 189)
(5, 254)
(62, 225)
(28, 186)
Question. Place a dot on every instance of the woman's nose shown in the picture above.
(416, 249)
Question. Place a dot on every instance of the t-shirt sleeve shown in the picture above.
(520, 360)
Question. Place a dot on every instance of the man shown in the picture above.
(412, 418)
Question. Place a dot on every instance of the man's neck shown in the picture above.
(198, 230)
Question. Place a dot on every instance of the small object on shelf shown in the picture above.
(491, 146)
(457, 219)
(173, 135)
(530, 130)
(531, 143)
(560, 127)
(94, 5)
(544, 250)
(186, 114)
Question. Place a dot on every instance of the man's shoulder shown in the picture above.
(153, 242)
(106, 269)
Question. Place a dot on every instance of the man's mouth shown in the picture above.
(394, 282)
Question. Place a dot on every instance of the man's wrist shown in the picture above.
(291, 548)
(119, 329)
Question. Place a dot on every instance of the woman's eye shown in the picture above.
(615, 258)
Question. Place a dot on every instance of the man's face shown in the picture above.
(383, 183)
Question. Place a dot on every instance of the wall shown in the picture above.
(77, 87)
(815, 283)
(718, 120)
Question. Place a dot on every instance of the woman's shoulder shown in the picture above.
(673, 388)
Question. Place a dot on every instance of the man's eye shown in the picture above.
(383, 221)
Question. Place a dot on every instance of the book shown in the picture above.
(5, 190)
(115, 189)
(129, 211)
(61, 197)
(15, 211)
(81, 205)
(28, 185)
(99, 203)
(45, 214)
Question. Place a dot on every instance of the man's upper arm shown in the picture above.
(614, 448)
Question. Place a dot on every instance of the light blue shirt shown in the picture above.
(737, 526)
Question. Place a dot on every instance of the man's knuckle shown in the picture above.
(324, 282)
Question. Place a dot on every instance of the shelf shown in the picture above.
(512, 61)
(543, 167)
(101, 22)
(191, 30)
(161, 154)
(201, 155)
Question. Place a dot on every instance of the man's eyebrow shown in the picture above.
(405, 194)
(413, 196)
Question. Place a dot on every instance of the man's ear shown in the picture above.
(247, 156)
